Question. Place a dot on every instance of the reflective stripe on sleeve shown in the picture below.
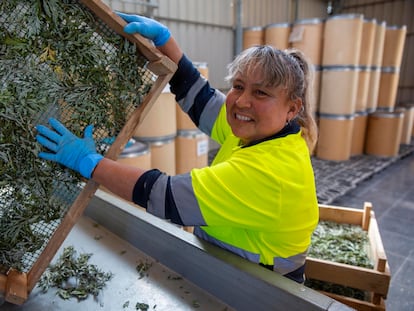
(185, 200)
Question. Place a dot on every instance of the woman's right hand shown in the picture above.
(146, 27)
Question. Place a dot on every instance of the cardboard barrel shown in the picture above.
(306, 35)
(383, 136)
(366, 54)
(393, 46)
(335, 137)
(375, 74)
(379, 40)
(136, 154)
(361, 101)
(184, 123)
(252, 36)
(277, 35)
(408, 123)
(191, 151)
(339, 85)
(162, 153)
(388, 87)
(358, 133)
(160, 120)
(373, 89)
(316, 90)
(342, 40)
(202, 67)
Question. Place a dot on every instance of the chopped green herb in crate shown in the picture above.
(347, 260)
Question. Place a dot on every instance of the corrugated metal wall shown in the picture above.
(206, 29)
(394, 13)
(263, 12)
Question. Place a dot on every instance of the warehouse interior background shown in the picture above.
(363, 56)
(213, 32)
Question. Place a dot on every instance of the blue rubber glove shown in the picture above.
(78, 154)
(146, 27)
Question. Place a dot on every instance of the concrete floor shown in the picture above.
(391, 192)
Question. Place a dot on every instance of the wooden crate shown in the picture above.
(374, 281)
(15, 286)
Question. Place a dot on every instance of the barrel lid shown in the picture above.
(340, 68)
(134, 148)
(376, 68)
(307, 21)
(317, 67)
(284, 24)
(254, 28)
(336, 116)
(346, 16)
(156, 139)
(364, 68)
(200, 64)
(390, 69)
(388, 114)
(370, 20)
(361, 113)
(190, 134)
(397, 27)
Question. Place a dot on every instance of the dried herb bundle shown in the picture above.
(73, 276)
(56, 60)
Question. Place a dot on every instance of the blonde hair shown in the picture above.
(288, 68)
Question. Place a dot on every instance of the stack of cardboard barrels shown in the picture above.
(357, 63)
(167, 139)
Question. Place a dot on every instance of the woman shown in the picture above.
(258, 197)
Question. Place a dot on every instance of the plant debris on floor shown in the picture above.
(73, 276)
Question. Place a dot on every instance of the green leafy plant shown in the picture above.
(56, 59)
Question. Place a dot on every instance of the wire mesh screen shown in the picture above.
(58, 59)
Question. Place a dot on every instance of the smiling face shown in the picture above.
(256, 110)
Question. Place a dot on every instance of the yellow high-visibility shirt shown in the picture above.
(261, 198)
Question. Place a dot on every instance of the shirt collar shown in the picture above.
(292, 127)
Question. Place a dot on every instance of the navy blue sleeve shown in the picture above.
(182, 81)
(171, 211)
(143, 186)
(142, 190)
(184, 78)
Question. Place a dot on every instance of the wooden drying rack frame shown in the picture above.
(16, 286)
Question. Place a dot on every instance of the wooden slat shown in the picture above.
(339, 214)
(16, 287)
(117, 24)
(347, 275)
(377, 248)
(366, 216)
(3, 282)
(359, 305)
